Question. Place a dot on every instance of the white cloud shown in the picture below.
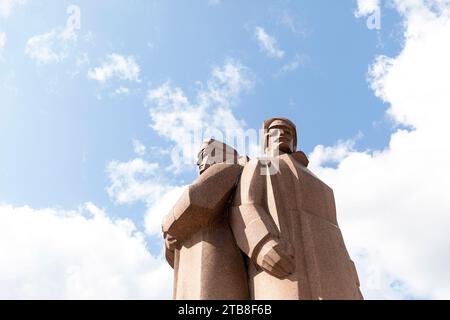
(116, 66)
(159, 209)
(268, 44)
(293, 65)
(335, 154)
(7, 6)
(186, 124)
(135, 180)
(82, 254)
(393, 204)
(367, 7)
(39, 48)
(141, 181)
(2, 42)
(52, 46)
(80, 61)
(122, 90)
(138, 147)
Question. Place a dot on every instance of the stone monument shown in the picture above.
(199, 242)
(286, 225)
(259, 229)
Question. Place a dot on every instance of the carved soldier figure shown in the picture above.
(199, 242)
(284, 219)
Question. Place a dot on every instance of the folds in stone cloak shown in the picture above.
(298, 210)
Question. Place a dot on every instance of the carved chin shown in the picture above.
(284, 147)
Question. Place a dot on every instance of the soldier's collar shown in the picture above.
(301, 157)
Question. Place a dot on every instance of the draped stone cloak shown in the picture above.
(298, 209)
(208, 265)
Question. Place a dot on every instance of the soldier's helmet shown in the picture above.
(267, 124)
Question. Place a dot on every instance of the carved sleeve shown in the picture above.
(249, 219)
(202, 201)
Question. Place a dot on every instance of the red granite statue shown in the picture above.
(284, 219)
(199, 242)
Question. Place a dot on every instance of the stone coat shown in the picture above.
(297, 208)
(208, 265)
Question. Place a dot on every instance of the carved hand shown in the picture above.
(274, 260)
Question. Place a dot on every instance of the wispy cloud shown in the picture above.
(289, 20)
(52, 46)
(293, 65)
(122, 91)
(140, 181)
(135, 180)
(138, 147)
(116, 66)
(185, 123)
(268, 44)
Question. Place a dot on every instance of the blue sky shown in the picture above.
(62, 126)
(59, 136)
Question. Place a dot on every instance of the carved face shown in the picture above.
(204, 160)
(215, 152)
(281, 138)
